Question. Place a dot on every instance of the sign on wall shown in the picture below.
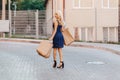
(4, 25)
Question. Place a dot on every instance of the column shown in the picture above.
(86, 32)
(37, 24)
(10, 34)
(94, 34)
(108, 34)
(80, 33)
(115, 30)
(3, 9)
(76, 33)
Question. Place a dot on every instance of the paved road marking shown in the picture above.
(96, 62)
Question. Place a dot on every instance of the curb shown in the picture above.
(20, 40)
(74, 45)
(97, 47)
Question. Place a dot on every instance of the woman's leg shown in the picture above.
(61, 65)
(54, 53)
(60, 54)
(54, 57)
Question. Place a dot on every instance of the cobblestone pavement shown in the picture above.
(19, 61)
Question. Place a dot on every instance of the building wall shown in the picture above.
(107, 18)
(96, 20)
(49, 16)
(96, 17)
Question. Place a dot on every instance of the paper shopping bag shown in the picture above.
(68, 39)
(44, 49)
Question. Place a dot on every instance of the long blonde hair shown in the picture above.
(61, 18)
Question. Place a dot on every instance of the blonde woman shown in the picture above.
(57, 37)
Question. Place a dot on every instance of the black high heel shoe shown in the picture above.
(62, 65)
(55, 64)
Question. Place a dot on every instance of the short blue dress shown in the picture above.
(58, 40)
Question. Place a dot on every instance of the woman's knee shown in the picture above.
(60, 49)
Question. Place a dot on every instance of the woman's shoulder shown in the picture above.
(55, 21)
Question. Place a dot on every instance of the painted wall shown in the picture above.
(95, 21)
(49, 17)
(96, 17)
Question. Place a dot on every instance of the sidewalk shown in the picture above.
(114, 48)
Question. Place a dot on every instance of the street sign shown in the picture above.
(4, 25)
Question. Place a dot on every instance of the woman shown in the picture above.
(57, 37)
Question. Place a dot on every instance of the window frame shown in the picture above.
(79, 7)
(108, 7)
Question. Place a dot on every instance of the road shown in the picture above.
(19, 61)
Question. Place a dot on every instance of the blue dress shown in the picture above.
(58, 40)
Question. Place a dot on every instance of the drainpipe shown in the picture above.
(64, 9)
(96, 21)
(52, 9)
(119, 23)
(96, 24)
(3, 13)
(10, 28)
(3, 9)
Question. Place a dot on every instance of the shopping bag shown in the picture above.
(68, 38)
(44, 49)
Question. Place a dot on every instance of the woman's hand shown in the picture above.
(50, 38)
(62, 29)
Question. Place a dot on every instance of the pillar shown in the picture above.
(3, 9)
(76, 33)
(108, 34)
(86, 34)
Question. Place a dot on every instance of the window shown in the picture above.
(109, 3)
(76, 3)
(83, 3)
(86, 3)
(105, 3)
(113, 3)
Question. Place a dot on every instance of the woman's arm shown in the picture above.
(63, 27)
(54, 30)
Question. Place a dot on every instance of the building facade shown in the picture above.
(88, 20)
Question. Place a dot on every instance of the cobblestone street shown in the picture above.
(19, 61)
